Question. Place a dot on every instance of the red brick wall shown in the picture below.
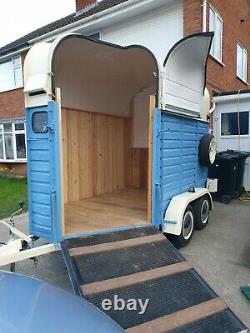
(14, 169)
(12, 104)
(192, 16)
(219, 77)
(80, 4)
(12, 101)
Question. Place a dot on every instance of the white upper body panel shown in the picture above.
(181, 80)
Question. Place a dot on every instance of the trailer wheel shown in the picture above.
(207, 150)
(201, 212)
(187, 228)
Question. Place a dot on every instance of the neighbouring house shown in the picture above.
(156, 24)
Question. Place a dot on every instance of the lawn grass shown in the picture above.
(12, 191)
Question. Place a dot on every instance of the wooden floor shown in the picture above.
(107, 211)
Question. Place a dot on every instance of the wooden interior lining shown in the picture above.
(118, 209)
(180, 318)
(98, 157)
(93, 154)
(128, 280)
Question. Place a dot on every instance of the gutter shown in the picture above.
(227, 98)
(204, 16)
(91, 22)
(7, 56)
(71, 26)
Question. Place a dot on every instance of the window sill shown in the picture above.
(234, 136)
(243, 81)
(16, 88)
(219, 62)
(14, 161)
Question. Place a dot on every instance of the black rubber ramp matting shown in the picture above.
(141, 263)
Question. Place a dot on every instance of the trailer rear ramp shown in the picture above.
(140, 263)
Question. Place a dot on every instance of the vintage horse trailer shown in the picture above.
(118, 149)
(115, 138)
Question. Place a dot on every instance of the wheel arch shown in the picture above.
(174, 213)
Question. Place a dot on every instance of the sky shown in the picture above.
(19, 17)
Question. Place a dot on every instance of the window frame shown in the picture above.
(244, 50)
(14, 67)
(13, 132)
(217, 16)
(233, 136)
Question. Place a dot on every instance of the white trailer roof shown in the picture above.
(181, 79)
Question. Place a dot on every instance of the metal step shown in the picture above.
(141, 263)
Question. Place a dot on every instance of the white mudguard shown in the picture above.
(175, 211)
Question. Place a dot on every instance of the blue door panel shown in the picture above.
(41, 209)
(41, 220)
(44, 175)
(40, 145)
(39, 187)
(41, 166)
(42, 155)
(176, 150)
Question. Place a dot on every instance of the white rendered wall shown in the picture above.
(225, 142)
(157, 30)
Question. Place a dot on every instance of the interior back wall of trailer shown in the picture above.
(105, 114)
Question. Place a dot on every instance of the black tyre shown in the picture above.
(207, 150)
(201, 212)
(186, 230)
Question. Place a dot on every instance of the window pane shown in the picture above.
(229, 123)
(216, 25)
(239, 61)
(18, 77)
(40, 122)
(6, 76)
(244, 69)
(17, 61)
(212, 26)
(20, 146)
(217, 38)
(9, 146)
(7, 127)
(1, 146)
(19, 126)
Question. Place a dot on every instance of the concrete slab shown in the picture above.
(220, 253)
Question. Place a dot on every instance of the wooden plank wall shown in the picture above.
(97, 157)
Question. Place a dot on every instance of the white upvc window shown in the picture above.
(11, 74)
(13, 142)
(242, 56)
(216, 25)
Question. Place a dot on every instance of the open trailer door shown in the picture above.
(185, 75)
(44, 166)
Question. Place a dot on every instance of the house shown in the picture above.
(157, 24)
